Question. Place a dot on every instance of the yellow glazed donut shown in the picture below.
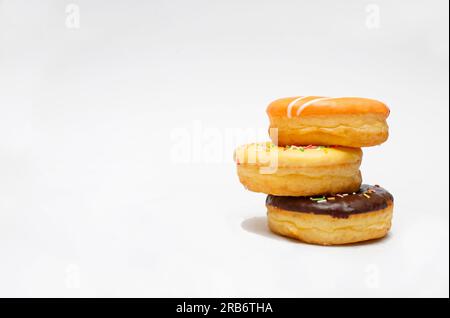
(343, 121)
(339, 219)
(298, 171)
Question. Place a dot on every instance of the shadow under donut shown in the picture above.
(258, 225)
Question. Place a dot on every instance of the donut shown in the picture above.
(298, 171)
(343, 121)
(332, 220)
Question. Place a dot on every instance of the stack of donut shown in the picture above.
(310, 170)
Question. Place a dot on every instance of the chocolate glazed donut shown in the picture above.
(331, 220)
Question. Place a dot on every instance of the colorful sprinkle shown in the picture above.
(296, 148)
(308, 147)
(366, 195)
(318, 199)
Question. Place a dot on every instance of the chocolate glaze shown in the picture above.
(340, 207)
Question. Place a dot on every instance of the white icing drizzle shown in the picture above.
(299, 111)
(292, 104)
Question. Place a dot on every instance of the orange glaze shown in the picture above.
(327, 106)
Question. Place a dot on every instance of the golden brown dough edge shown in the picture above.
(341, 180)
(349, 131)
(342, 137)
(327, 230)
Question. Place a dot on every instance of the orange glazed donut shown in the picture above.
(343, 121)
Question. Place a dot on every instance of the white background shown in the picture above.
(93, 201)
